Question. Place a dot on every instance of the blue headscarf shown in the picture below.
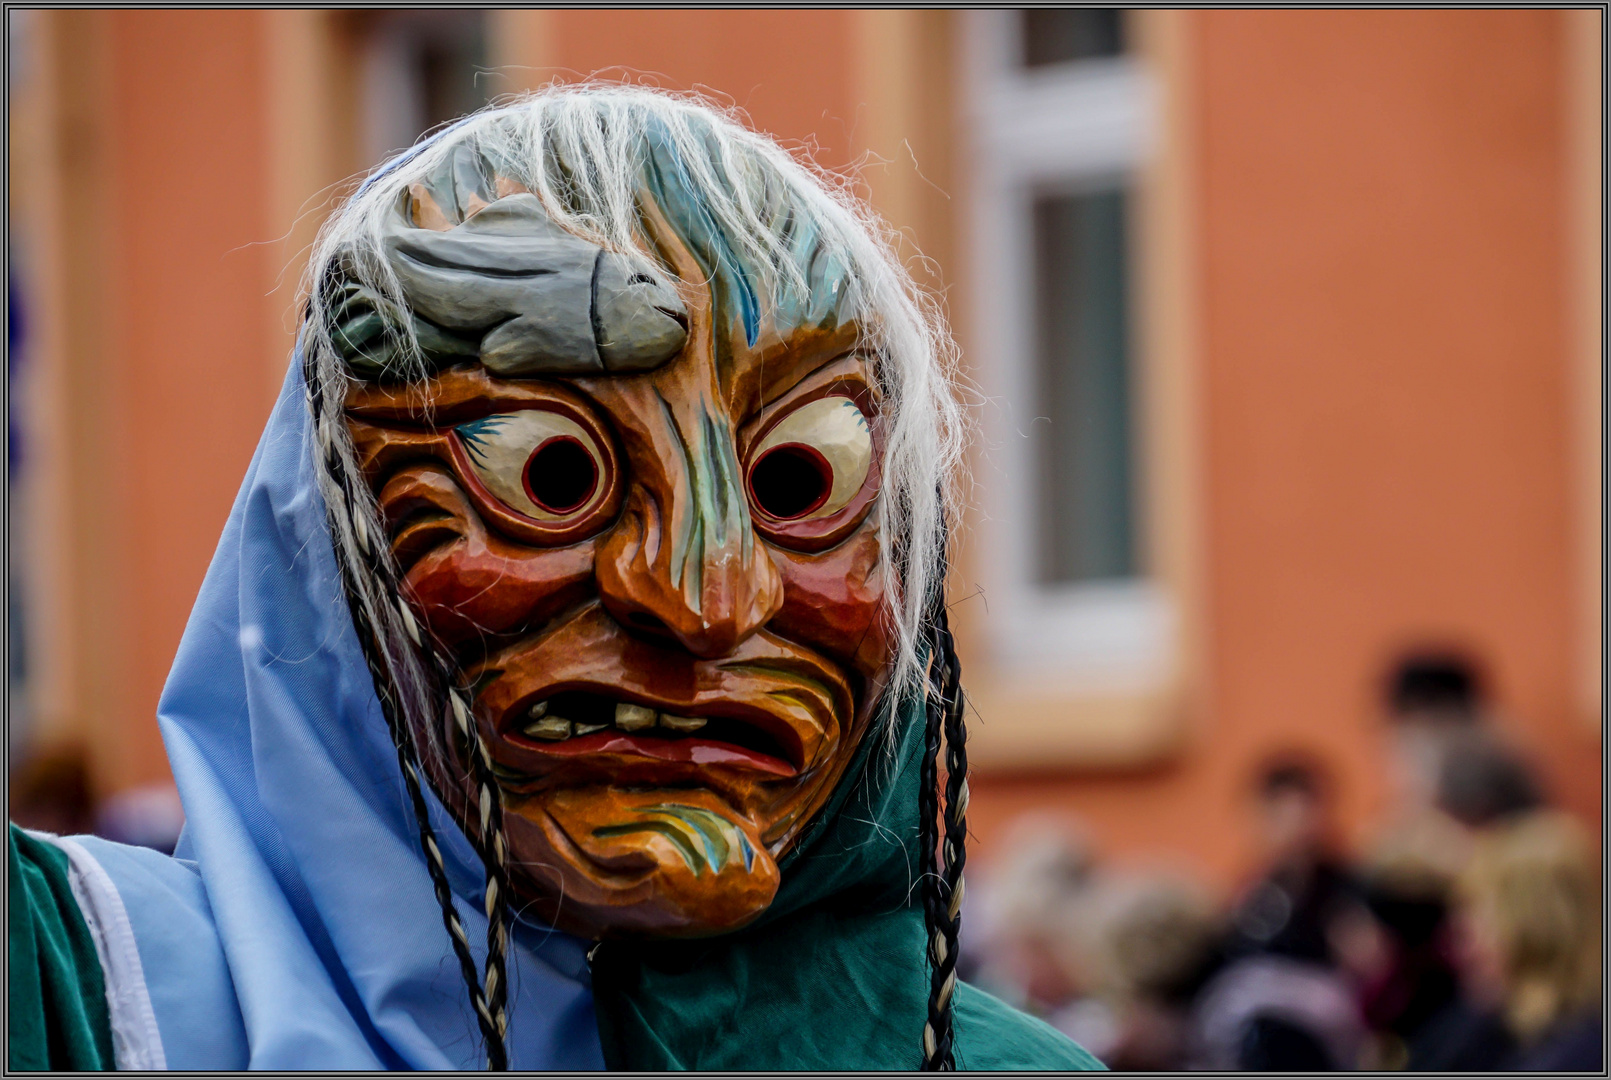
(295, 926)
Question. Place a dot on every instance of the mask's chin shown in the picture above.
(643, 862)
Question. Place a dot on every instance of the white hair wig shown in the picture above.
(581, 150)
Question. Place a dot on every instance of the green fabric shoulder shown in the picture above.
(56, 1015)
(993, 1036)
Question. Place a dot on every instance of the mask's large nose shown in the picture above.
(683, 558)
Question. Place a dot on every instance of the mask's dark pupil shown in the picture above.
(561, 475)
(790, 481)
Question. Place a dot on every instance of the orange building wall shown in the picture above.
(188, 266)
(149, 390)
(790, 71)
(1385, 407)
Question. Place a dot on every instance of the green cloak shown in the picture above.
(833, 976)
(56, 1014)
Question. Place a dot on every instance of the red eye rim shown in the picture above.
(812, 535)
(599, 511)
(593, 483)
(824, 473)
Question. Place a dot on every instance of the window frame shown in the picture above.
(1087, 672)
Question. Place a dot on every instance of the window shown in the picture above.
(419, 69)
(1085, 498)
(1062, 128)
(1060, 35)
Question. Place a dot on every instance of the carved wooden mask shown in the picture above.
(636, 503)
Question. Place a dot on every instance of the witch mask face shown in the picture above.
(636, 506)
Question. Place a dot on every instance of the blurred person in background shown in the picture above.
(1306, 882)
(1483, 780)
(1030, 942)
(1432, 699)
(1282, 1001)
(1157, 943)
(1454, 774)
(1527, 932)
(1397, 953)
(1111, 959)
(49, 790)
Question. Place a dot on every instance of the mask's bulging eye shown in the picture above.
(538, 463)
(561, 475)
(790, 481)
(813, 462)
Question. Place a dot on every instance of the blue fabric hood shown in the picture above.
(296, 926)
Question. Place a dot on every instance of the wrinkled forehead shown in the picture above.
(488, 274)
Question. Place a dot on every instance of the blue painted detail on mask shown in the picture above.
(474, 435)
(679, 197)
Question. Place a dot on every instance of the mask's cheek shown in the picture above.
(834, 601)
(469, 583)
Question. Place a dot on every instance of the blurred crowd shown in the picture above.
(1465, 937)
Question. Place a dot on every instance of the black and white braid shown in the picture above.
(944, 706)
(411, 664)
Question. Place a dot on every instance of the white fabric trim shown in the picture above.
(136, 1042)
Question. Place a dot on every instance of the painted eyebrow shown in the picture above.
(783, 374)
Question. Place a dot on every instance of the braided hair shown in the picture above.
(943, 841)
(370, 576)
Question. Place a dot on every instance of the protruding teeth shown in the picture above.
(681, 723)
(588, 729)
(633, 717)
(538, 711)
(552, 728)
